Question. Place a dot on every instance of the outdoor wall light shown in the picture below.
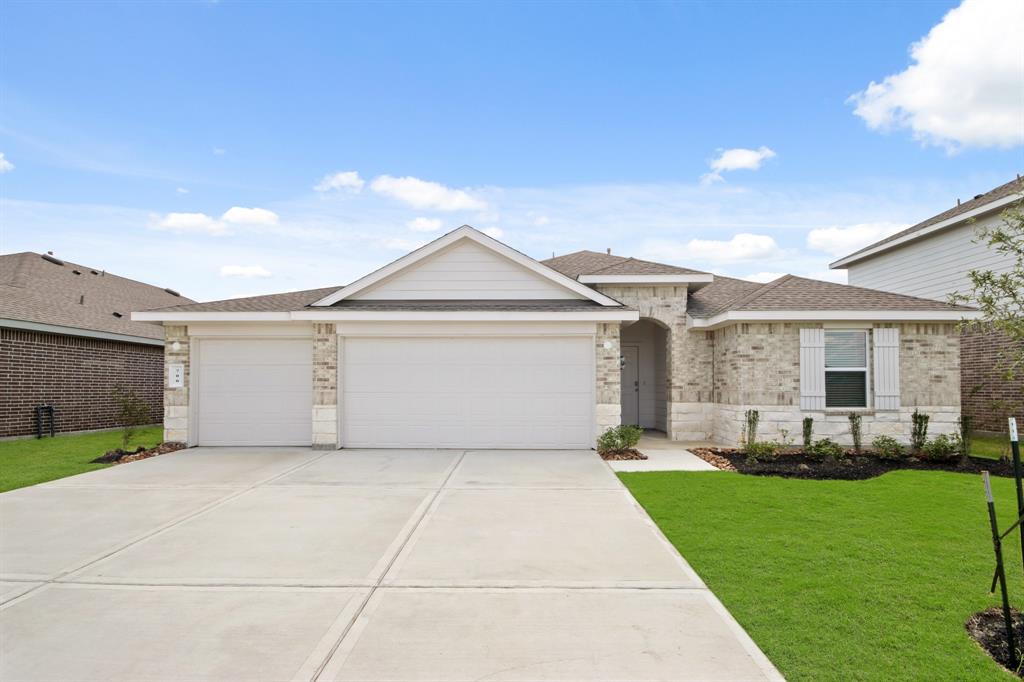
(176, 346)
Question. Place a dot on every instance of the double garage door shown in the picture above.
(492, 392)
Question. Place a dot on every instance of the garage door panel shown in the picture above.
(255, 392)
(468, 392)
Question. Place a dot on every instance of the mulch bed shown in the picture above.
(120, 456)
(989, 631)
(623, 454)
(853, 467)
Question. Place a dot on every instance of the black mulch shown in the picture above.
(852, 467)
(988, 629)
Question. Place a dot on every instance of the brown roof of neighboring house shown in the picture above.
(1015, 186)
(271, 303)
(33, 289)
(593, 263)
(799, 293)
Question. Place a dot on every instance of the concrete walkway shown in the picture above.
(663, 455)
(286, 564)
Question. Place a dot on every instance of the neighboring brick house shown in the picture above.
(467, 343)
(67, 340)
(933, 259)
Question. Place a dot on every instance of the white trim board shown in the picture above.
(464, 232)
(842, 263)
(78, 331)
(832, 315)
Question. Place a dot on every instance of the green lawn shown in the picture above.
(844, 580)
(31, 461)
(992, 447)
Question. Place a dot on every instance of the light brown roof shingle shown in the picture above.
(592, 263)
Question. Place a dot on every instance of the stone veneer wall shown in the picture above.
(757, 366)
(988, 396)
(325, 386)
(688, 357)
(608, 393)
(176, 399)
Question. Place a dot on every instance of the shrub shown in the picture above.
(767, 450)
(855, 431)
(965, 435)
(619, 438)
(888, 447)
(751, 419)
(132, 412)
(825, 448)
(942, 448)
(919, 430)
(808, 431)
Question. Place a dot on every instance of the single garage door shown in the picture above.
(494, 392)
(255, 392)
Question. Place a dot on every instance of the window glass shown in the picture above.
(846, 361)
(845, 349)
(845, 389)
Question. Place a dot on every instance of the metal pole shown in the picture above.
(1000, 573)
(1015, 449)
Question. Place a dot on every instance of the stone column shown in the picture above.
(609, 376)
(176, 399)
(325, 386)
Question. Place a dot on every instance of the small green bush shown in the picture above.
(808, 431)
(855, 431)
(942, 448)
(751, 420)
(965, 434)
(919, 430)
(888, 447)
(767, 450)
(824, 448)
(619, 438)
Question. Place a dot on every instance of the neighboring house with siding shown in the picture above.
(468, 343)
(933, 259)
(67, 340)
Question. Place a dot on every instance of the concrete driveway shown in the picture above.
(288, 564)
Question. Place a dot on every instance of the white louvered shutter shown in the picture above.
(812, 369)
(887, 369)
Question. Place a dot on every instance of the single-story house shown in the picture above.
(934, 259)
(67, 340)
(468, 343)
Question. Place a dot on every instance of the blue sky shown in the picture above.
(182, 143)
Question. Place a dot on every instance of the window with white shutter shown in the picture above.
(812, 369)
(887, 369)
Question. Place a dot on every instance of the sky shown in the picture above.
(228, 149)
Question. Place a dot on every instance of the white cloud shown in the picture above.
(964, 85)
(763, 277)
(244, 271)
(5, 165)
(181, 190)
(194, 223)
(348, 181)
(736, 159)
(424, 224)
(219, 151)
(494, 232)
(401, 244)
(742, 247)
(239, 215)
(423, 194)
(840, 241)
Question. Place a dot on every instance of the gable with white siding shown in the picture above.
(465, 270)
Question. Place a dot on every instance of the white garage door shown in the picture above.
(507, 392)
(255, 392)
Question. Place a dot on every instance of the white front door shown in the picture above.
(631, 385)
(466, 392)
(254, 392)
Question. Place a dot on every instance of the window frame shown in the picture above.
(866, 368)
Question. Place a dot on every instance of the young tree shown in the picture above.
(1000, 295)
(132, 412)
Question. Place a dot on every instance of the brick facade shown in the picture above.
(988, 396)
(608, 390)
(75, 374)
(325, 386)
(176, 351)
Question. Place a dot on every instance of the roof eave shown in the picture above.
(735, 316)
(604, 314)
(881, 247)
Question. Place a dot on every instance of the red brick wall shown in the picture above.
(985, 395)
(76, 375)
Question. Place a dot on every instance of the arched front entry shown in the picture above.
(645, 372)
